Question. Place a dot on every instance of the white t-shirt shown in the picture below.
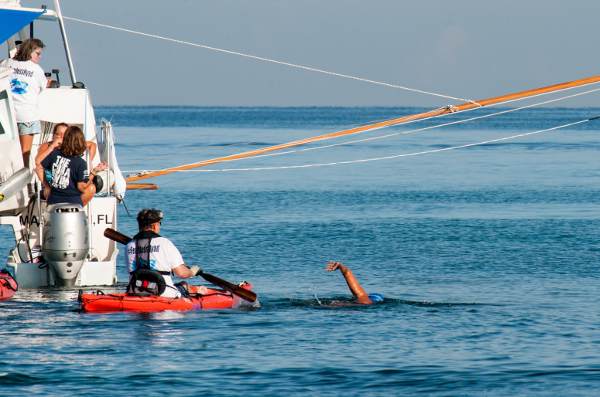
(164, 256)
(26, 83)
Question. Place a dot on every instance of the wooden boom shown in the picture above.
(400, 120)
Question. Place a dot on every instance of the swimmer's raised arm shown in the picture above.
(353, 284)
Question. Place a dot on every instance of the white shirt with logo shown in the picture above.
(164, 257)
(27, 81)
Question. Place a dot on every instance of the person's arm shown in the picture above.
(41, 78)
(91, 148)
(82, 185)
(176, 262)
(40, 164)
(182, 271)
(39, 168)
(39, 171)
(355, 287)
(43, 152)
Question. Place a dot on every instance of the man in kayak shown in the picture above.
(359, 293)
(152, 260)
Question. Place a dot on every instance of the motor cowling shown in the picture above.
(65, 241)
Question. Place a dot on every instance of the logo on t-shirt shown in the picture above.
(143, 264)
(61, 173)
(18, 87)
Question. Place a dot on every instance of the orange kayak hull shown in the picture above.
(99, 302)
(8, 286)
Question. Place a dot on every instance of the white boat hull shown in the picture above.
(32, 275)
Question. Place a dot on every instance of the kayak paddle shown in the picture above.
(226, 285)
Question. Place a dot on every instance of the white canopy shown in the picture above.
(68, 105)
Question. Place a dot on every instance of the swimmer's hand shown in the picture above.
(334, 265)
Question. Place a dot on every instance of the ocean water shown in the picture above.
(487, 257)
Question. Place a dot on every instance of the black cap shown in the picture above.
(148, 216)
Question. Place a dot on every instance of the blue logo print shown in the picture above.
(18, 87)
(143, 263)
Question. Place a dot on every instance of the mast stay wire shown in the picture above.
(395, 156)
(270, 60)
(414, 131)
(440, 112)
(431, 127)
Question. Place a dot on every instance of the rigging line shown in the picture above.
(415, 130)
(270, 60)
(395, 156)
(366, 128)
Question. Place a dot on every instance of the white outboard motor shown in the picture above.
(66, 243)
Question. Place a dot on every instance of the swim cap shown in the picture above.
(376, 298)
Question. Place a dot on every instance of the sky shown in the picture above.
(464, 48)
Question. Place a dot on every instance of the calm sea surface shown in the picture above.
(488, 257)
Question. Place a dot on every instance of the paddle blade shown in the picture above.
(234, 289)
(114, 235)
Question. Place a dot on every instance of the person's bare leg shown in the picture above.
(47, 191)
(355, 287)
(26, 143)
(88, 194)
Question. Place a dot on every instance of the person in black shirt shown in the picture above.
(70, 182)
(48, 147)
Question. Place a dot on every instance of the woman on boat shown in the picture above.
(46, 148)
(70, 182)
(357, 290)
(27, 82)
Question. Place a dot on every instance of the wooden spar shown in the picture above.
(142, 186)
(400, 120)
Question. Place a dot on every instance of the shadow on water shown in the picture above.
(341, 302)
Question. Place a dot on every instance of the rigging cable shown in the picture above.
(431, 127)
(270, 60)
(414, 131)
(371, 127)
(395, 156)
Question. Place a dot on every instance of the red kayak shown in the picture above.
(99, 302)
(8, 285)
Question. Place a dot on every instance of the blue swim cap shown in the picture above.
(376, 298)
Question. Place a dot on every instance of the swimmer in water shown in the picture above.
(359, 293)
